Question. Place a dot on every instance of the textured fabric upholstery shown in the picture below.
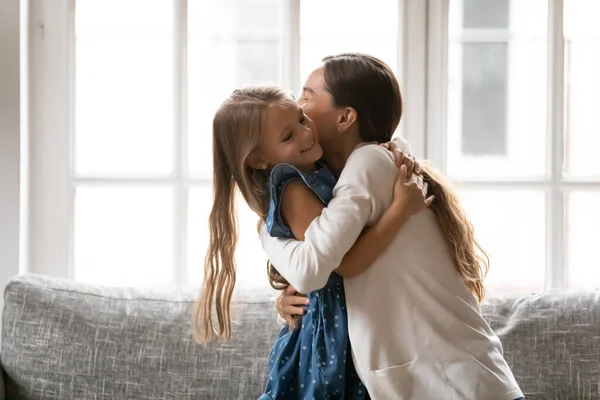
(62, 340)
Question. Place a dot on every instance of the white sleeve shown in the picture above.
(402, 144)
(368, 176)
(280, 320)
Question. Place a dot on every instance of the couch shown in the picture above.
(66, 340)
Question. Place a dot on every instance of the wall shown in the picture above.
(10, 141)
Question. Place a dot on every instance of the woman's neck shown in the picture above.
(336, 154)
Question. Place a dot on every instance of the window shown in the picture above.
(500, 94)
(230, 44)
(124, 190)
(520, 153)
(123, 180)
(581, 164)
(484, 77)
(497, 76)
(337, 26)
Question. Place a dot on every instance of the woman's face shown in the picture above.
(318, 105)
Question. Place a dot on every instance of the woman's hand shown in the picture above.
(410, 194)
(412, 166)
(289, 304)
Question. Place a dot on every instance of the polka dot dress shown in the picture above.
(314, 360)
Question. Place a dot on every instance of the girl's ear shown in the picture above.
(256, 161)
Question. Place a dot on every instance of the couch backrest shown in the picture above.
(551, 341)
(62, 340)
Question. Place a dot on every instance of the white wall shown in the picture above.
(10, 141)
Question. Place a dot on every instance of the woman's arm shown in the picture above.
(300, 206)
(373, 241)
(402, 153)
(367, 179)
(401, 144)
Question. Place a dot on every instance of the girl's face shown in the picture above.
(318, 105)
(287, 136)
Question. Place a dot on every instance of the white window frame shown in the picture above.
(413, 21)
(555, 185)
(53, 178)
(423, 66)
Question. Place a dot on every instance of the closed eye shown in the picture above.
(287, 137)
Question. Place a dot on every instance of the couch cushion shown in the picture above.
(62, 340)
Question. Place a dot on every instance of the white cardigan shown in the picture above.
(416, 330)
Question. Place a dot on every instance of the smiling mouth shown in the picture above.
(308, 147)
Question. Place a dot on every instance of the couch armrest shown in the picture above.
(2, 386)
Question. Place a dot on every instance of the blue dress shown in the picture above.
(313, 361)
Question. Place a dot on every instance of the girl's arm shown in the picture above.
(366, 182)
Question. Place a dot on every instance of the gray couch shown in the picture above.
(62, 340)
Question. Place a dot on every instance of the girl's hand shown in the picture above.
(289, 304)
(412, 166)
(410, 194)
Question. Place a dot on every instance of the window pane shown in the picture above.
(511, 228)
(199, 205)
(250, 258)
(485, 14)
(337, 26)
(123, 87)
(484, 98)
(232, 43)
(258, 61)
(123, 236)
(582, 249)
(497, 90)
(582, 63)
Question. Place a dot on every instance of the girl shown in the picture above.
(264, 144)
(433, 343)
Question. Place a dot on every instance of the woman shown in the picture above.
(433, 342)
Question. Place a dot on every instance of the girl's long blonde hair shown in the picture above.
(236, 132)
(468, 256)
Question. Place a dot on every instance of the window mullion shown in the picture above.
(556, 269)
(180, 164)
(437, 82)
(71, 188)
(49, 128)
(412, 38)
(291, 45)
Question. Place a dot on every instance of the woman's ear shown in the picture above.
(346, 119)
(256, 161)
